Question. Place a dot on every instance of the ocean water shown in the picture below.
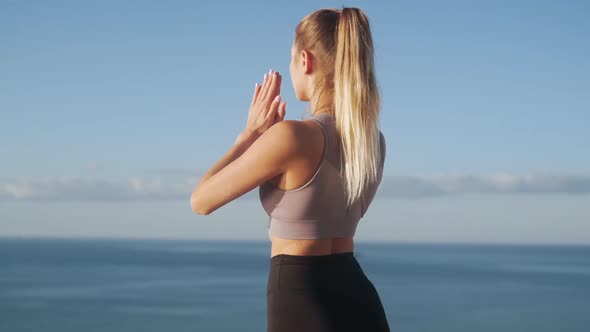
(192, 285)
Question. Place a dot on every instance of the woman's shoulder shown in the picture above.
(298, 134)
(301, 128)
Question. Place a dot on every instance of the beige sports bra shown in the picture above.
(317, 209)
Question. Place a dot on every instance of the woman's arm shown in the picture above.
(244, 168)
(256, 155)
(242, 143)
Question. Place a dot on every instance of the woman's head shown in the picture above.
(332, 67)
(332, 47)
(312, 53)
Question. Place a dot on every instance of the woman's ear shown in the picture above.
(306, 62)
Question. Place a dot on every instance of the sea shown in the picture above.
(117, 284)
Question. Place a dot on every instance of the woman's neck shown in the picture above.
(323, 107)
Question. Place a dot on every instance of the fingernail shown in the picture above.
(277, 98)
(264, 76)
(270, 72)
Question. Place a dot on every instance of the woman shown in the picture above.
(316, 177)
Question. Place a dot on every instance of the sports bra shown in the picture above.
(317, 209)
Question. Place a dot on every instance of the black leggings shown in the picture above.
(321, 294)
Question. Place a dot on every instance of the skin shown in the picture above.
(285, 153)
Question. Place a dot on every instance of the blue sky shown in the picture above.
(110, 110)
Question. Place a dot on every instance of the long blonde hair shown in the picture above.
(341, 43)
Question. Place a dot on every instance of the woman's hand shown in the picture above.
(266, 108)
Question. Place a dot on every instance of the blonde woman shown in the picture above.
(316, 177)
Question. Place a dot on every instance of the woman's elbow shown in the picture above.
(197, 206)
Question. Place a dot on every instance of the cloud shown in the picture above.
(89, 189)
(179, 185)
(428, 186)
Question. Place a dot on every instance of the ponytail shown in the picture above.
(357, 103)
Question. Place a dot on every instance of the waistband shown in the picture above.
(318, 259)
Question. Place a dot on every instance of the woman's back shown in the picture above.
(311, 217)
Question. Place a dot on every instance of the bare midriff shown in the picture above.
(310, 247)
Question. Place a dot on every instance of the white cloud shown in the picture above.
(424, 186)
(180, 186)
(91, 189)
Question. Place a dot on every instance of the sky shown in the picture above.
(111, 110)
